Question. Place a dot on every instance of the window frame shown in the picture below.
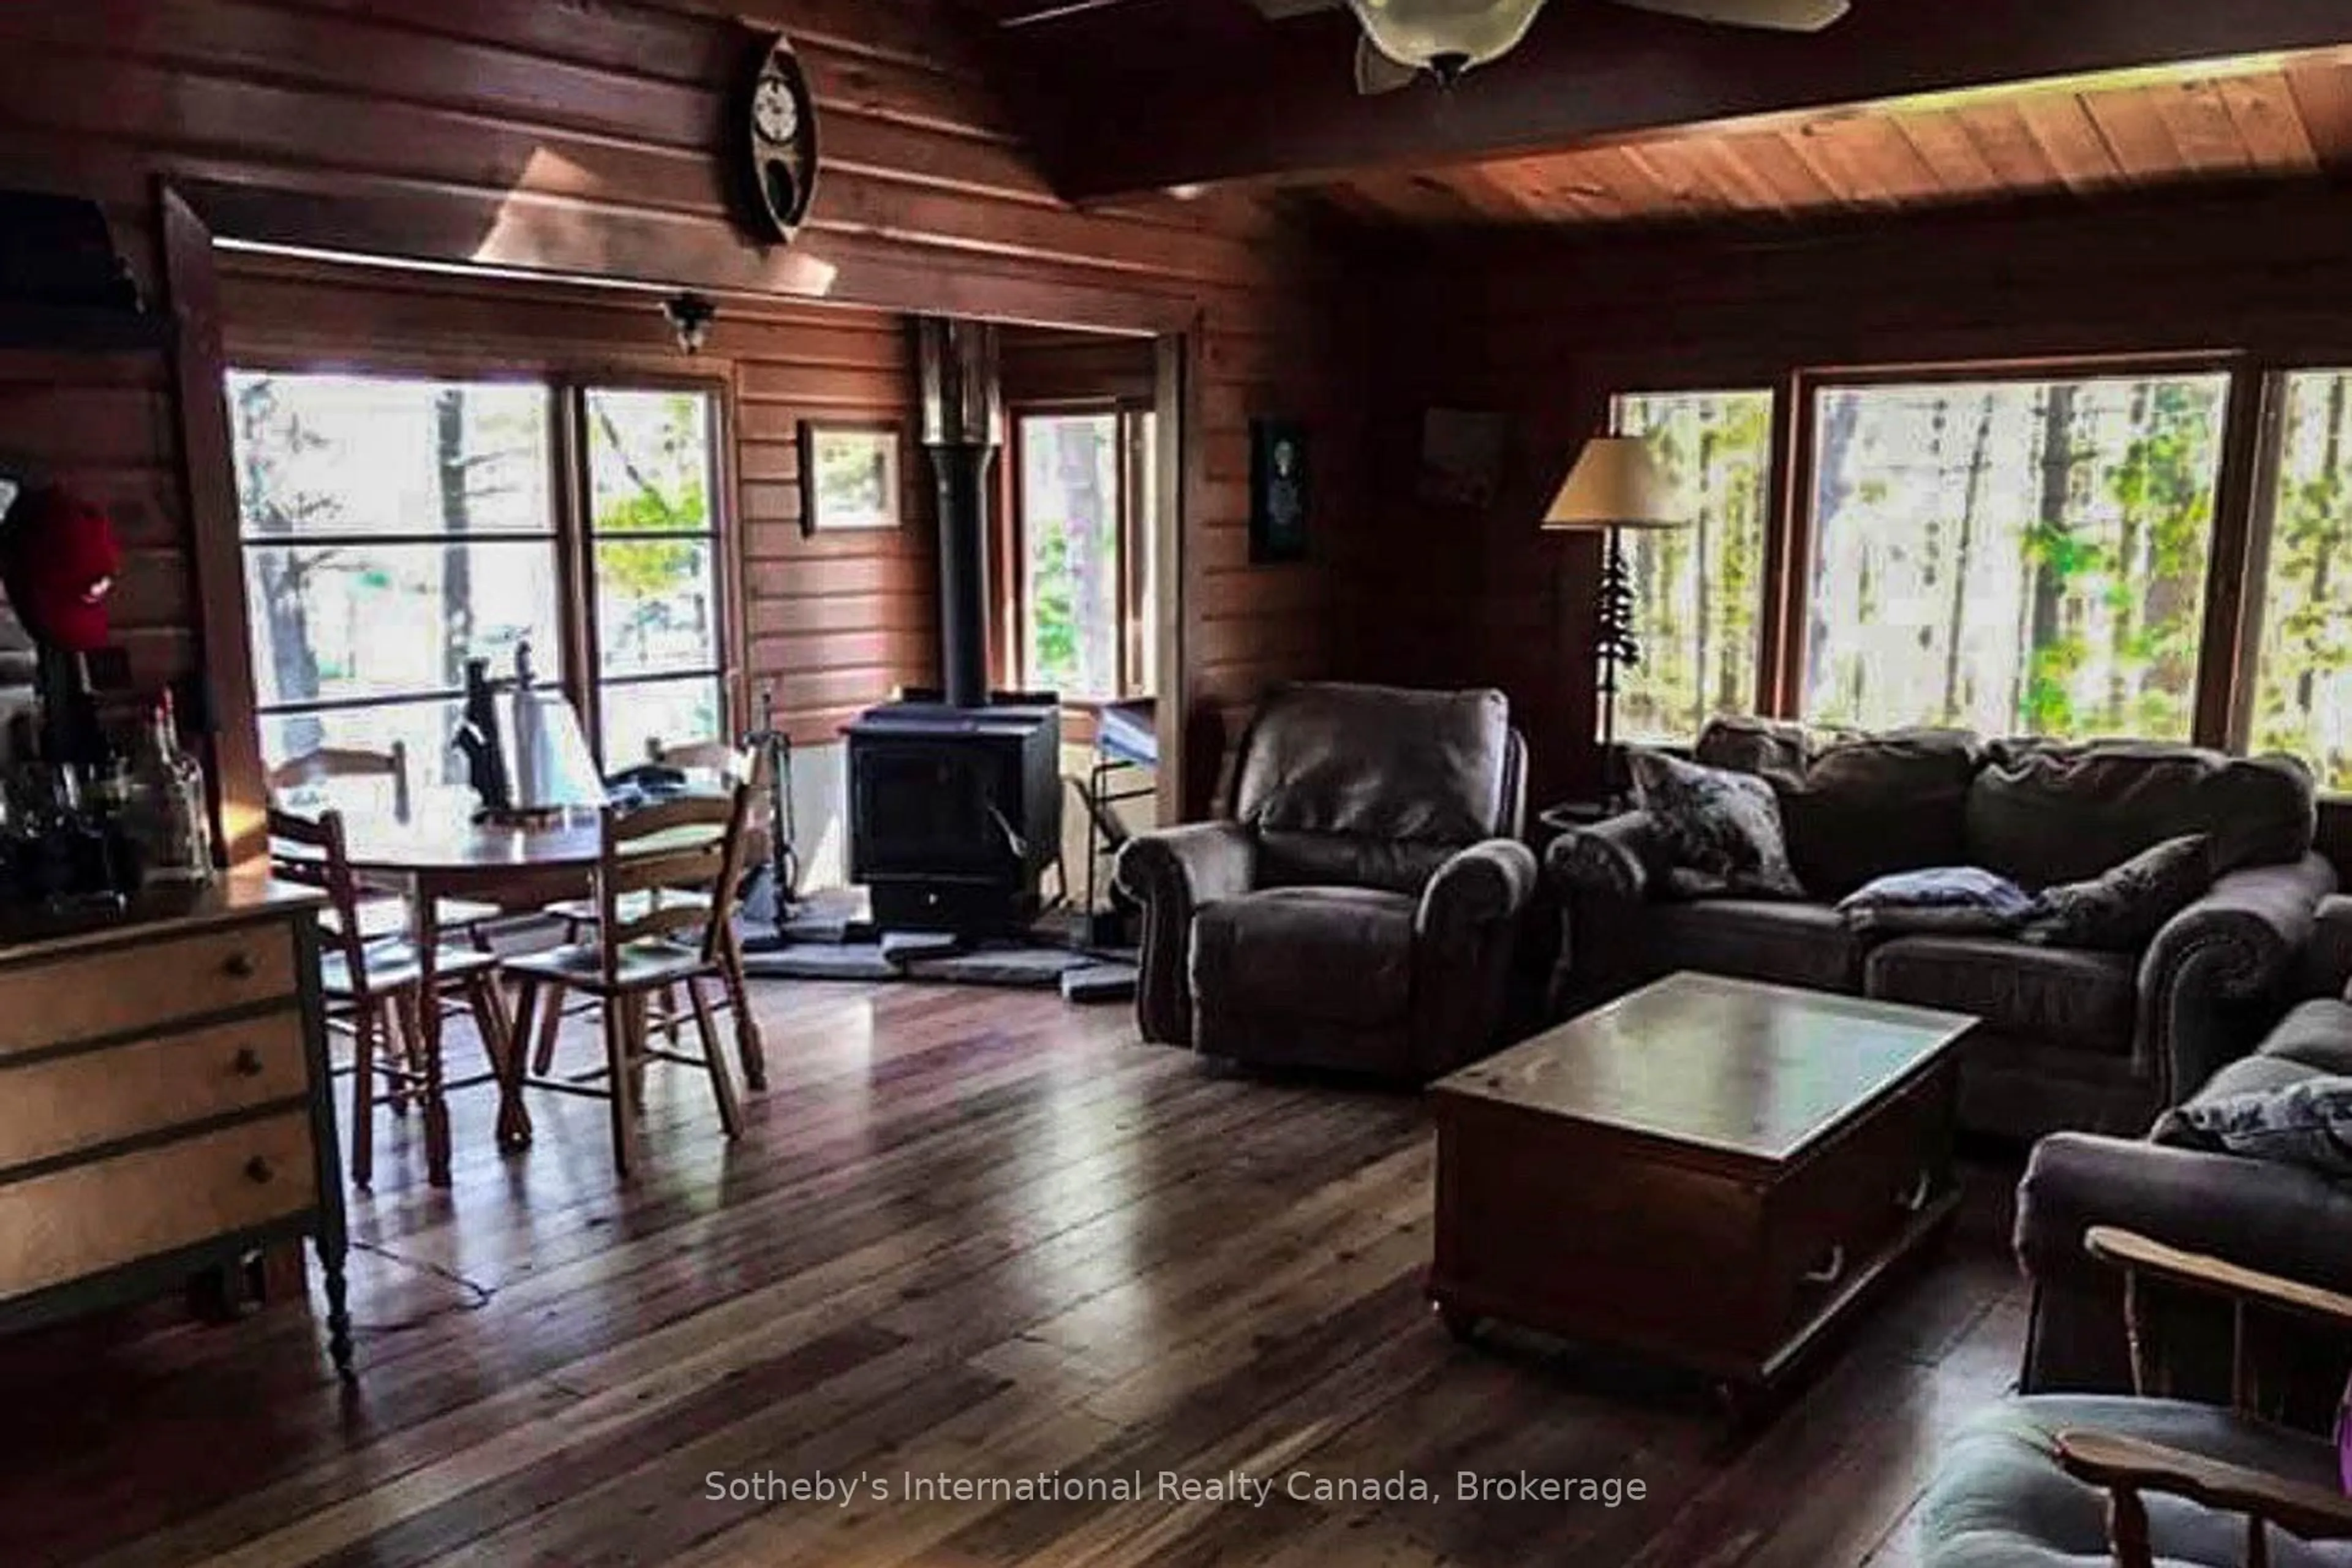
(1784, 664)
(1769, 564)
(573, 536)
(1135, 562)
(579, 587)
(2243, 508)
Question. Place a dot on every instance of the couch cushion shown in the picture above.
(1377, 761)
(2083, 1001)
(2046, 814)
(1855, 806)
(1786, 943)
(2317, 1034)
(1342, 954)
(1999, 1500)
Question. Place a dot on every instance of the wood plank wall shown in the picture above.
(1042, 365)
(1546, 331)
(830, 624)
(582, 139)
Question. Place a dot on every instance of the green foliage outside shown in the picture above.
(2013, 557)
(1699, 591)
(2302, 697)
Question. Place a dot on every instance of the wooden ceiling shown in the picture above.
(1608, 115)
(2146, 130)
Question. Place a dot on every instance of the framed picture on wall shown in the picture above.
(1462, 457)
(1278, 492)
(849, 475)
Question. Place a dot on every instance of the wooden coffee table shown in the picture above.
(1711, 1172)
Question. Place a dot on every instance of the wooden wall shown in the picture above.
(1546, 330)
(581, 139)
(1044, 365)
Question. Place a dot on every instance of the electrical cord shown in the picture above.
(480, 1295)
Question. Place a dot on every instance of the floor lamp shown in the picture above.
(1616, 485)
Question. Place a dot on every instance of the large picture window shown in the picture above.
(1699, 591)
(2012, 556)
(392, 527)
(2303, 615)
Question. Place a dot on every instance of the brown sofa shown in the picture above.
(2070, 1039)
(2279, 1218)
(1999, 1499)
(1358, 911)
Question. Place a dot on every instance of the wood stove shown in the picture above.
(955, 797)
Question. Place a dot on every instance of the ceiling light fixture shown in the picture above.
(690, 316)
(1445, 38)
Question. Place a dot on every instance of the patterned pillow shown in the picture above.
(1946, 900)
(2123, 911)
(1723, 827)
(2307, 1124)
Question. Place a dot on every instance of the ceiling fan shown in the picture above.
(1405, 39)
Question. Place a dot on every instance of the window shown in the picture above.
(2303, 619)
(394, 528)
(654, 558)
(1699, 591)
(1084, 529)
(2012, 556)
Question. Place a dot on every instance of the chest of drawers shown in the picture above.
(164, 1100)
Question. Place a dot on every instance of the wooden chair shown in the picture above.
(580, 916)
(381, 912)
(2130, 1469)
(371, 984)
(664, 870)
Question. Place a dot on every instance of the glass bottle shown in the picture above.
(174, 811)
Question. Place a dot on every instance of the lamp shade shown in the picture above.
(1616, 483)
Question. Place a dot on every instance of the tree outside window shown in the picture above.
(2013, 556)
(1699, 591)
(2303, 685)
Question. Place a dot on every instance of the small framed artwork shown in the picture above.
(1462, 456)
(1278, 491)
(849, 475)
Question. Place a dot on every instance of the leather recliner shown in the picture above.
(1357, 910)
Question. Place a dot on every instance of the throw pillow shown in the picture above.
(1946, 900)
(1720, 824)
(2123, 911)
(2307, 1124)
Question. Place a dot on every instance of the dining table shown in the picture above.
(439, 852)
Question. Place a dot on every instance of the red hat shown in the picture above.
(57, 561)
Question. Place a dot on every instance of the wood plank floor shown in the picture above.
(973, 1235)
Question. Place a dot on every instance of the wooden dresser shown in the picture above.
(164, 1101)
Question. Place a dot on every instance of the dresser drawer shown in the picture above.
(62, 1105)
(142, 986)
(86, 1218)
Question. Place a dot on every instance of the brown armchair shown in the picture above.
(1358, 911)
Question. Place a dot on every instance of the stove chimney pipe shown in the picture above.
(963, 408)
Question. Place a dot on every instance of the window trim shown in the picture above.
(1135, 567)
(2213, 695)
(571, 538)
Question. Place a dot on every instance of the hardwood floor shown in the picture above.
(968, 1234)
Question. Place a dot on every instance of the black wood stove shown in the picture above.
(955, 795)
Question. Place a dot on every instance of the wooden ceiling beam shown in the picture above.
(1142, 101)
